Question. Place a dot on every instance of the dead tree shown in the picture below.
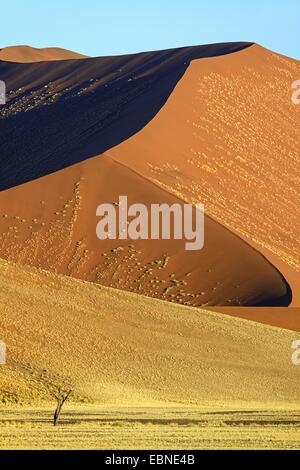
(61, 399)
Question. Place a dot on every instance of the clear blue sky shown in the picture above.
(98, 27)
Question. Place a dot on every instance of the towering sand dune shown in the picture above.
(51, 223)
(23, 54)
(159, 105)
(115, 347)
(229, 137)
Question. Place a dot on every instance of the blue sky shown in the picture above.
(97, 27)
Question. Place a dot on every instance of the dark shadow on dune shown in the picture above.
(283, 301)
(100, 103)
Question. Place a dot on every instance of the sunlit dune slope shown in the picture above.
(24, 54)
(111, 346)
(62, 112)
(229, 137)
(51, 223)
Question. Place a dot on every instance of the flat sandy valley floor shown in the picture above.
(268, 426)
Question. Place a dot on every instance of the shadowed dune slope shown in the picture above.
(24, 54)
(110, 346)
(62, 112)
(228, 137)
(51, 223)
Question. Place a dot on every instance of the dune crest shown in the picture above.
(81, 108)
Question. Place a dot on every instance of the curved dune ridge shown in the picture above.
(114, 347)
(51, 223)
(81, 108)
(24, 54)
(147, 104)
(229, 138)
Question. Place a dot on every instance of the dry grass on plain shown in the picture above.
(262, 426)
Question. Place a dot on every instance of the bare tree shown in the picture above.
(61, 399)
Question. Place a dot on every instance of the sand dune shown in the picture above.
(229, 138)
(25, 54)
(78, 108)
(222, 143)
(51, 223)
(116, 347)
